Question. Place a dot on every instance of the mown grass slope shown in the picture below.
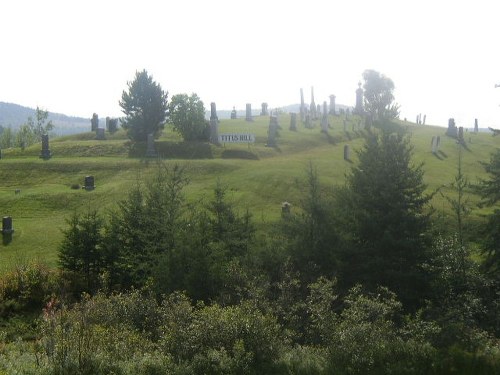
(259, 178)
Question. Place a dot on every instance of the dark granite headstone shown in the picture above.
(452, 128)
(214, 124)
(476, 126)
(89, 183)
(94, 122)
(100, 134)
(45, 147)
(234, 115)
(272, 132)
(461, 134)
(113, 125)
(7, 227)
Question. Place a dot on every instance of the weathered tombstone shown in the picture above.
(438, 142)
(302, 106)
(324, 119)
(332, 105)
(313, 106)
(452, 129)
(150, 149)
(100, 134)
(476, 126)
(233, 114)
(434, 144)
(107, 123)
(113, 125)
(264, 111)
(94, 122)
(285, 209)
(214, 124)
(461, 134)
(89, 183)
(248, 115)
(347, 152)
(45, 148)
(272, 132)
(7, 227)
(425, 116)
(417, 121)
(293, 122)
(359, 100)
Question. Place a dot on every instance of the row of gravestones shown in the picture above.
(111, 126)
(458, 133)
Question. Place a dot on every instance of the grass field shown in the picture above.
(258, 177)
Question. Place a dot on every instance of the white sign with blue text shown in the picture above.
(236, 138)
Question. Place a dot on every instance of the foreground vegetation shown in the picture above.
(159, 275)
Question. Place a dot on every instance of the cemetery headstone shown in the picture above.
(347, 152)
(324, 119)
(113, 125)
(94, 122)
(312, 106)
(285, 208)
(461, 134)
(438, 142)
(45, 147)
(332, 105)
(272, 132)
(425, 116)
(150, 148)
(359, 100)
(248, 115)
(7, 227)
(302, 106)
(452, 128)
(100, 134)
(293, 122)
(476, 126)
(233, 114)
(264, 111)
(107, 123)
(89, 183)
(214, 124)
(434, 144)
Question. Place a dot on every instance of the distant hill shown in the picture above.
(14, 115)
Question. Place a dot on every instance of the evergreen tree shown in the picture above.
(145, 107)
(382, 213)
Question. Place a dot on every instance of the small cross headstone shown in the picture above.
(89, 183)
(233, 114)
(347, 153)
(150, 150)
(45, 147)
(94, 122)
(248, 115)
(7, 227)
(293, 122)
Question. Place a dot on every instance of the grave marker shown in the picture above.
(332, 105)
(7, 227)
(45, 155)
(214, 124)
(233, 114)
(248, 115)
(100, 134)
(359, 100)
(476, 126)
(94, 122)
(272, 132)
(89, 183)
(264, 111)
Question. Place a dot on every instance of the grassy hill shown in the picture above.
(259, 178)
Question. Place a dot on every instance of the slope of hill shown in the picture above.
(259, 178)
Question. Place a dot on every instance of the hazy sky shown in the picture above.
(75, 57)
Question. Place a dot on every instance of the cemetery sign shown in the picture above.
(236, 138)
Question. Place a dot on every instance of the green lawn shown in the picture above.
(258, 177)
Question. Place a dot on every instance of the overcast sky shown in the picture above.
(75, 57)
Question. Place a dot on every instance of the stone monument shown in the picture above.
(100, 134)
(7, 227)
(248, 114)
(476, 126)
(347, 152)
(214, 124)
(324, 119)
(461, 134)
(312, 107)
(425, 116)
(264, 111)
(452, 128)
(434, 145)
(234, 116)
(359, 100)
(293, 122)
(150, 150)
(113, 125)
(272, 132)
(89, 183)
(332, 105)
(45, 148)
(94, 122)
